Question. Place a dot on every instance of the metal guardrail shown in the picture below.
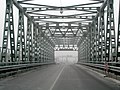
(7, 68)
(111, 67)
(3, 68)
(13, 69)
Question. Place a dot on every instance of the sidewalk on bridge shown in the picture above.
(99, 73)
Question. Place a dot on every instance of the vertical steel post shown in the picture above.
(34, 42)
(29, 42)
(8, 28)
(110, 33)
(102, 28)
(118, 37)
(96, 40)
(20, 51)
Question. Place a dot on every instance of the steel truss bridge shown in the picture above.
(87, 33)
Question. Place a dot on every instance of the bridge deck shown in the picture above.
(58, 77)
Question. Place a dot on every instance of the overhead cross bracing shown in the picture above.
(64, 25)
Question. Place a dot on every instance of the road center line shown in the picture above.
(57, 78)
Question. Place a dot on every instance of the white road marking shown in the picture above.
(57, 78)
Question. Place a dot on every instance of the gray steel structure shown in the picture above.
(103, 46)
(89, 36)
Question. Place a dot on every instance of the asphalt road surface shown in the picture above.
(58, 77)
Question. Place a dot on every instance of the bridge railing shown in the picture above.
(113, 67)
(8, 67)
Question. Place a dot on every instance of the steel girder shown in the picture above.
(45, 8)
(101, 37)
(66, 47)
(8, 31)
(20, 51)
(96, 44)
(56, 31)
(84, 54)
(35, 33)
(118, 38)
(110, 33)
(29, 41)
(102, 41)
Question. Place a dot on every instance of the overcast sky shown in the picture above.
(45, 2)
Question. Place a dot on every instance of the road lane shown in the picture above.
(39, 79)
(58, 77)
(76, 77)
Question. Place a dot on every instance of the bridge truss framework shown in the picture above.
(94, 41)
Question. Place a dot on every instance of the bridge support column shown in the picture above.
(101, 40)
(118, 38)
(8, 29)
(29, 41)
(20, 50)
(110, 34)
